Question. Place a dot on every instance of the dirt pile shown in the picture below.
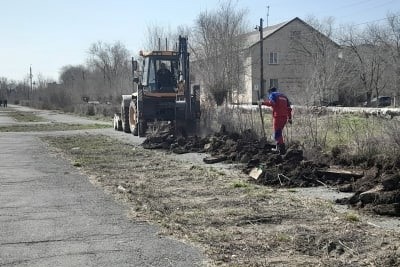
(375, 189)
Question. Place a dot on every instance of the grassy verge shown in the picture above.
(21, 116)
(51, 127)
(235, 222)
(357, 134)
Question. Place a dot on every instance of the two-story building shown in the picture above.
(297, 59)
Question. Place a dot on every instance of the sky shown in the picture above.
(46, 35)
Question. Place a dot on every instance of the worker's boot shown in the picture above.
(281, 148)
(275, 149)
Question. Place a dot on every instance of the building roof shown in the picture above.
(254, 36)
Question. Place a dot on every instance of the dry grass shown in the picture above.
(235, 222)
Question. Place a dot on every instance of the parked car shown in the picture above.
(382, 101)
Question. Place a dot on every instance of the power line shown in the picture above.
(359, 24)
(366, 8)
(356, 4)
(372, 21)
(348, 5)
(384, 4)
(361, 5)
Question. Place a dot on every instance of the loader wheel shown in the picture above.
(115, 124)
(119, 125)
(133, 119)
(125, 118)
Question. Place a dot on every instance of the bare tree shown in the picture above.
(321, 57)
(163, 38)
(218, 49)
(159, 38)
(47, 95)
(71, 75)
(73, 80)
(113, 61)
(19, 91)
(4, 85)
(391, 39)
(367, 54)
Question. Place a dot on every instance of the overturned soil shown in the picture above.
(374, 182)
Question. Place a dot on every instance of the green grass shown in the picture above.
(283, 237)
(352, 217)
(22, 116)
(77, 164)
(92, 150)
(332, 130)
(51, 127)
(240, 184)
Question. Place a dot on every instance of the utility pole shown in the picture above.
(30, 78)
(260, 29)
(260, 93)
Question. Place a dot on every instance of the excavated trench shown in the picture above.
(375, 188)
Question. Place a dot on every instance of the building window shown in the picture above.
(273, 58)
(273, 83)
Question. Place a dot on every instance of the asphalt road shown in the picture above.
(51, 215)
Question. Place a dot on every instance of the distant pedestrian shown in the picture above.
(1, 102)
(281, 114)
(5, 103)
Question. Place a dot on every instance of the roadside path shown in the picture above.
(51, 215)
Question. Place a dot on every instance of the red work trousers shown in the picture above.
(278, 124)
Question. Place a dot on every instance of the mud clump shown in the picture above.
(376, 188)
(377, 191)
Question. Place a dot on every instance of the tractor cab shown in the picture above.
(160, 71)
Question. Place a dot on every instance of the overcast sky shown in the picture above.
(50, 34)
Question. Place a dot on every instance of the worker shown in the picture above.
(164, 77)
(281, 114)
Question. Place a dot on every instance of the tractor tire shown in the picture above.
(133, 119)
(119, 126)
(125, 118)
(117, 123)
